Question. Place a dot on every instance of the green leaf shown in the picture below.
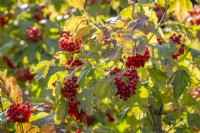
(61, 111)
(84, 73)
(42, 68)
(146, 1)
(193, 120)
(77, 3)
(180, 82)
(104, 92)
(86, 97)
(158, 77)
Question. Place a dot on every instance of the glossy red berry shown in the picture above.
(126, 88)
(19, 112)
(138, 60)
(69, 89)
(73, 63)
(66, 43)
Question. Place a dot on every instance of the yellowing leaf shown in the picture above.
(82, 31)
(27, 128)
(11, 89)
(50, 128)
(77, 3)
(76, 25)
(180, 7)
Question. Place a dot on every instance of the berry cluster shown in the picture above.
(138, 60)
(195, 15)
(4, 19)
(69, 90)
(126, 88)
(19, 113)
(74, 112)
(73, 63)
(159, 41)
(115, 71)
(159, 11)
(39, 13)
(23, 75)
(176, 39)
(33, 34)
(66, 43)
(110, 118)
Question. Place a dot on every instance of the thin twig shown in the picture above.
(173, 126)
(159, 23)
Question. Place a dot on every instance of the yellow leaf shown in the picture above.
(76, 25)
(50, 128)
(82, 31)
(27, 128)
(180, 7)
(11, 89)
(77, 3)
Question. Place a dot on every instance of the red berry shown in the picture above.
(66, 43)
(33, 34)
(125, 90)
(138, 60)
(69, 89)
(19, 112)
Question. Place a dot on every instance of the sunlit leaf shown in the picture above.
(61, 111)
(77, 3)
(11, 89)
(49, 128)
(26, 127)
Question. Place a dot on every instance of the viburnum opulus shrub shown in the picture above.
(100, 66)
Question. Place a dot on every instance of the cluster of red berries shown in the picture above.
(176, 39)
(69, 90)
(19, 113)
(23, 74)
(74, 112)
(128, 87)
(159, 41)
(33, 34)
(4, 19)
(39, 13)
(138, 60)
(73, 63)
(159, 11)
(66, 43)
(195, 15)
(110, 118)
(115, 71)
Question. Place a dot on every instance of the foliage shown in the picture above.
(100, 66)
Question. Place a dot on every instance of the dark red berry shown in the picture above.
(138, 60)
(19, 112)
